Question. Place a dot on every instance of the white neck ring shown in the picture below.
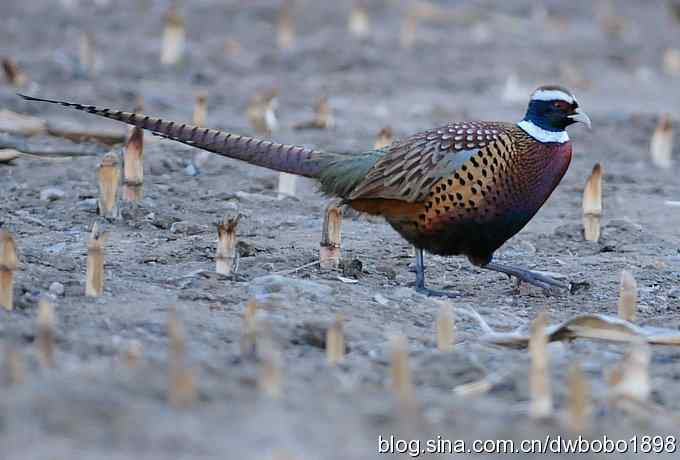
(543, 135)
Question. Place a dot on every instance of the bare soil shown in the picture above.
(93, 406)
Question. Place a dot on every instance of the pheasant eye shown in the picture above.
(561, 105)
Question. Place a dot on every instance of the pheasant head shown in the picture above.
(551, 109)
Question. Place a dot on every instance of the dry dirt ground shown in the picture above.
(92, 406)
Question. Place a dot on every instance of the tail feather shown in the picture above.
(279, 157)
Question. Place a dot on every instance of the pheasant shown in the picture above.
(462, 189)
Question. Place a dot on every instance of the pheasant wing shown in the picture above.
(410, 167)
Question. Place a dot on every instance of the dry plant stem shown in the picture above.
(541, 405)
(139, 104)
(227, 255)
(133, 164)
(181, 385)
(271, 372)
(45, 336)
(173, 38)
(176, 339)
(630, 379)
(200, 110)
(671, 61)
(445, 328)
(359, 23)
(628, 297)
(109, 178)
(592, 205)
(232, 47)
(578, 400)
(482, 386)
(95, 263)
(335, 341)
(183, 393)
(661, 145)
(133, 354)
(7, 289)
(14, 369)
(199, 118)
(8, 265)
(248, 333)
(409, 28)
(81, 136)
(87, 54)
(402, 384)
(329, 251)
(287, 184)
(13, 74)
(261, 112)
(384, 138)
(297, 269)
(322, 117)
(286, 26)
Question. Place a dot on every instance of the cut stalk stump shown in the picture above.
(329, 252)
(226, 258)
(8, 265)
(95, 263)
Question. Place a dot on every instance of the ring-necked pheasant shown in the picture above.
(462, 189)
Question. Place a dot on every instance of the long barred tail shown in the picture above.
(279, 157)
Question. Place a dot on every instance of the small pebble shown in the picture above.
(190, 170)
(188, 228)
(381, 299)
(89, 204)
(402, 292)
(52, 194)
(57, 248)
(57, 289)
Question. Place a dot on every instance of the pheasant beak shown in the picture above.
(579, 116)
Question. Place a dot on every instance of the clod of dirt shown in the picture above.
(246, 249)
(313, 333)
(389, 272)
(288, 288)
(351, 268)
(57, 289)
(52, 194)
(188, 228)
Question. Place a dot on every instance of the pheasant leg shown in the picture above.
(533, 278)
(420, 279)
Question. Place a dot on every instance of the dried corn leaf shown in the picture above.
(588, 326)
(8, 155)
(12, 122)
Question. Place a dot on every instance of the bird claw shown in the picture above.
(436, 293)
(544, 282)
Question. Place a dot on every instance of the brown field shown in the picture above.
(480, 60)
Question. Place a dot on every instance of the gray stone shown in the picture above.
(402, 292)
(290, 288)
(56, 248)
(190, 170)
(89, 204)
(57, 289)
(381, 299)
(52, 194)
(389, 272)
(188, 228)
